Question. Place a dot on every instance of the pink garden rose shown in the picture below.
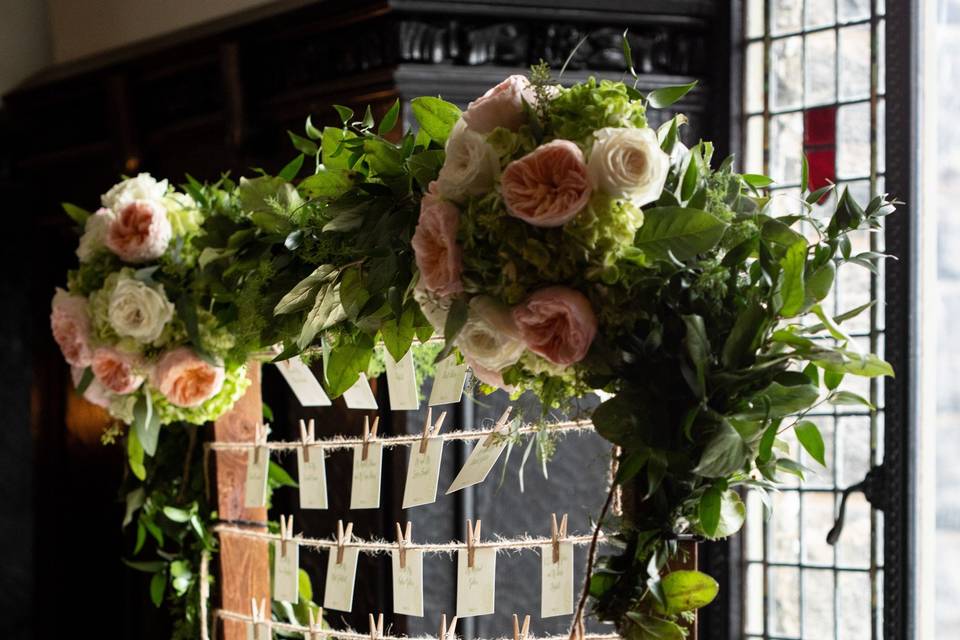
(70, 324)
(501, 106)
(548, 186)
(140, 232)
(488, 376)
(557, 323)
(435, 245)
(184, 379)
(95, 393)
(116, 370)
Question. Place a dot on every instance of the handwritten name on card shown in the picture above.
(402, 382)
(360, 395)
(255, 487)
(303, 383)
(423, 474)
(408, 583)
(338, 592)
(478, 465)
(556, 592)
(476, 587)
(313, 479)
(448, 382)
(286, 568)
(365, 488)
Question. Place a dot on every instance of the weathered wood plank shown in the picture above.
(244, 562)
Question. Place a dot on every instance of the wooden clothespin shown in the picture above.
(343, 537)
(473, 539)
(501, 423)
(518, 632)
(403, 539)
(286, 533)
(376, 629)
(315, 624)
(369, 433)
(307, 436)
(448, 633)
(258, 615)
(556, 533)
(430, 430)
(259, 440)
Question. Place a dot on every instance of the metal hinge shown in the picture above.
(872, 489)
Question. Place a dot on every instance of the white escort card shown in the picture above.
(360, 395)
(402, 382)
(303, 383)
(475, 470)
(365, 488)
(407, 580)
(255, 487)
(341, 576)
(423, 474)
(286, 571)
(556, 593)
(311, 470)
(476, 586)
(448, 382)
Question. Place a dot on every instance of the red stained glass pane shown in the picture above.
(822, 163)
(820, 127)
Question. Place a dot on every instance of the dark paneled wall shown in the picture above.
(220, 98)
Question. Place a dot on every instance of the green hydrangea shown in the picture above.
(577, 112)
(100, 307)
(604, 228)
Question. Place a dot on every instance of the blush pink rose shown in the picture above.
(557, 323)
(548, 186)
(184, 379)
(501, 106)
(70, 325)
(95, 393)
(435, 245)
(140, 232)
(116, 370)
(488, 376)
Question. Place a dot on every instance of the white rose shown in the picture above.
(433, 307)
(143, 187)
(470, 167)
(628, 163)
(139, 311)
(490, 337)
(94, 233)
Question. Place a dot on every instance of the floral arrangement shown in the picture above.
(556, 242)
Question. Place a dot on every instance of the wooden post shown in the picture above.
(244, 562)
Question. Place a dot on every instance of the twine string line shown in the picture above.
(354, 635)
(374, 547)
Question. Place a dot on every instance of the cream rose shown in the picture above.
(139, 311)
(185, 380)
(94, 234)
(70, 324)
(470, 167)
(628, 163)
(490, 337)
(142, 187)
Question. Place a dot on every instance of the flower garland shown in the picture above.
(556, 242)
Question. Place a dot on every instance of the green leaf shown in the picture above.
(135, 455)
(678, 231)
(303, 145)
(865, 365)
(733, 514)
(849, 398)
(435, 116)
(804, 174)
(146, 423)
(688, 590)
(698, 349)
(383, 157)
(175, 514)
(756, 180)
(832, 379)
(425, 166)
(134, 500)
(777, 400)
(85, 379)
(456, 318)
(277, 476)
(666, 96)
(332, 145)
(390, 119)
(725, 453)
(710, 510)
(398, 333)
(290, 171)
(312, 132)
(792, 292)
(345, 364)
(832, 326)
(304, 292)
(146, 566)
(820, 282)
(325, 313)
(741, 345)
(77, 214)
(809, 436)
(345, 113)
(628, 54)
(367, 122)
